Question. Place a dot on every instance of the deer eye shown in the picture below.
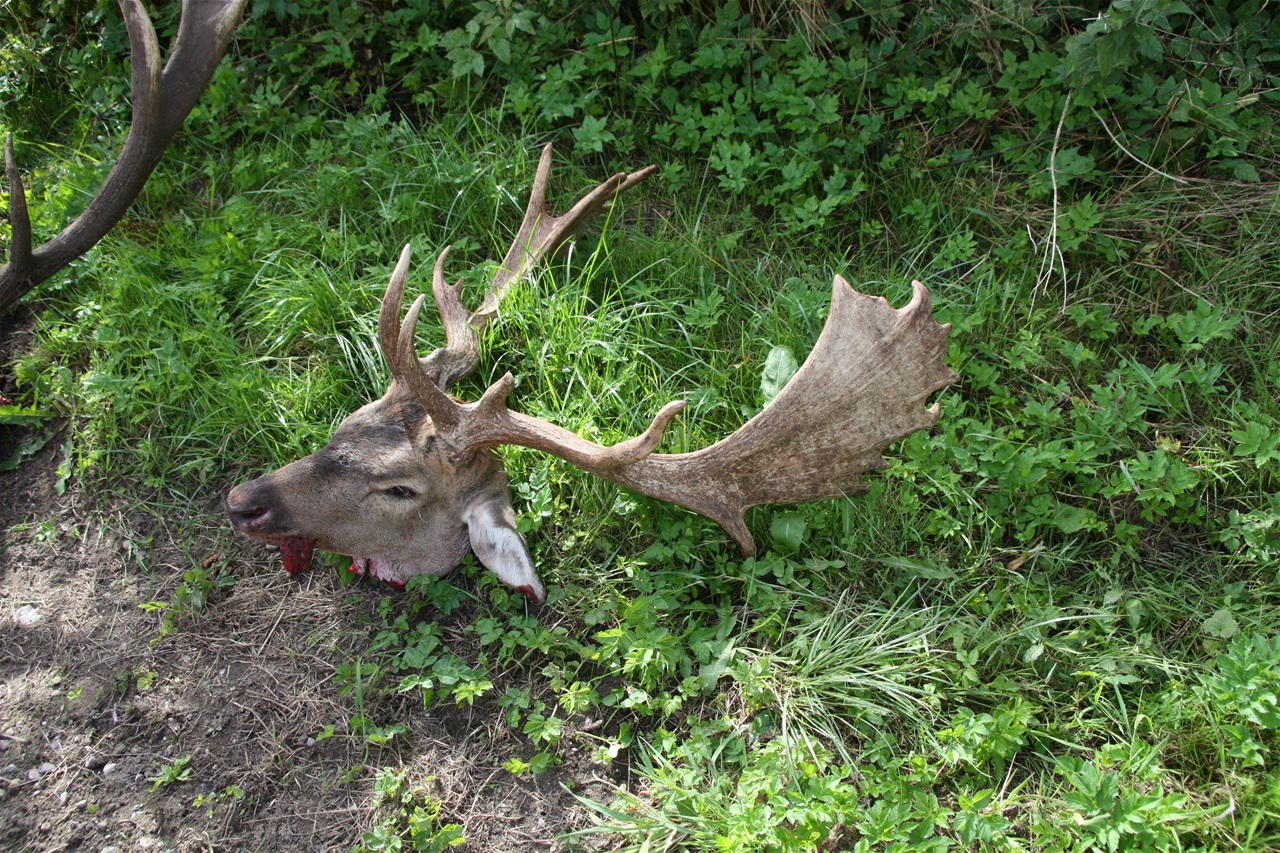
(401, 492)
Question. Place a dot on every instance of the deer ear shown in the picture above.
(491, 524)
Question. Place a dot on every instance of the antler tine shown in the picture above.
(429, 378)
(162, 99)
(541, 235)
(397, 343)
(461, 352)
(446, 364)
(508, 427)
(442, 408)
(389, 315)
(19, 220)
(488, 422)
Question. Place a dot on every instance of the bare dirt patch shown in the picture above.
(93, 708)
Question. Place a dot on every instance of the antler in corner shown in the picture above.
(162, 99)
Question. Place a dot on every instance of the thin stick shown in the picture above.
(270, 633)
(1134, 157)
(1051, 250)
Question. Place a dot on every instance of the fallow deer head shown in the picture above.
(407, 485)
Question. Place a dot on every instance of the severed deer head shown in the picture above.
(407, 485)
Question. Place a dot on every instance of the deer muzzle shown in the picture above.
(255, 515)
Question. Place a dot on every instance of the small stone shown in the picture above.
(109, 768)
(33, 775)
(146, 823)
(26, 616)
(81, 805)
(46, 768)
(110, 848)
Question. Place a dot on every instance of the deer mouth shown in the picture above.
(388, 571)
(296, 553)
(252, 515)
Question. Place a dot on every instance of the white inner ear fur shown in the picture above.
(491, 524)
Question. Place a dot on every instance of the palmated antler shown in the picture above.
(162, 99)
(863, 387)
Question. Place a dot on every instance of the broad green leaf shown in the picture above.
(788, 530)
(1072, 519)
(1221, 624)
(779, 366)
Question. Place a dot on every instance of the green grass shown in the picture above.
(1011, 641)
(1050, 626)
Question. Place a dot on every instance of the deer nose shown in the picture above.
(244, 508)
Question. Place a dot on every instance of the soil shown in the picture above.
(95, 703)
